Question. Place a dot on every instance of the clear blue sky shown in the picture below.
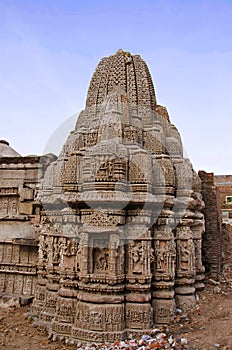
(49, 50)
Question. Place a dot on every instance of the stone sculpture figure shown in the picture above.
(121, 223)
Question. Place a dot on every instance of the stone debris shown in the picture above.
(217, 290)
(179, 311)
(9, 302)
(212, 281)
(158, 341)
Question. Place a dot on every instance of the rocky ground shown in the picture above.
(207, 327)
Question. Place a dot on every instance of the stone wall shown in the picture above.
(19, 219)
(18, 267)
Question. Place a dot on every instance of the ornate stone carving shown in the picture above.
(100, 260)
(8, 205)
(136, 253)
(164, 256)
(71, 248)
(120, 234)
(138, 316)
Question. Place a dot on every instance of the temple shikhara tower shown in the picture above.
(121, 223)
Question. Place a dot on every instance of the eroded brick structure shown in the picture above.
(217, 195)
(120, 244)
(213, 225)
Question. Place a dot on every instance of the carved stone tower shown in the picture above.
(120, 244)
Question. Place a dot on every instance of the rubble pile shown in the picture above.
(157, 340)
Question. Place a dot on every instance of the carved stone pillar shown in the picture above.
(197, 230)
(48, 311)
(84, 251)
(40, 292)
(185, 269)
(65, 307)
(164, 270)
(164, 245)
(68, 288)
(139, 313)
(100, 308)
(50, 257)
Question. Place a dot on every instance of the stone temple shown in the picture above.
(117, 216)
(121, 222)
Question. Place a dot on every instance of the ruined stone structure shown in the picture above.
(120, 242)
(19, 177)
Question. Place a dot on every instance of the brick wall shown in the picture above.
(211, 246)
(224, 183)
(226, 252)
